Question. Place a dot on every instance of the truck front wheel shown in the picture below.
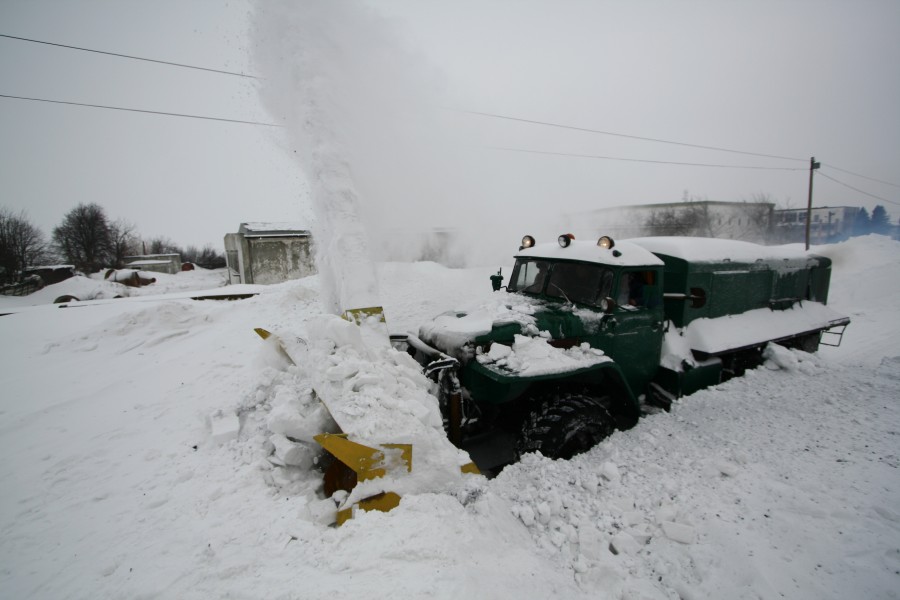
(565, 424)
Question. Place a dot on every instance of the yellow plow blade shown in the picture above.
(358, 315)
(357, 462)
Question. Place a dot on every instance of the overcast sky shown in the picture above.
(790, 78)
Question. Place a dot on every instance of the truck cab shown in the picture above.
(607, 295)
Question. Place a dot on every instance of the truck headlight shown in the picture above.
(606, 242)
(565, 239)
(527, 242)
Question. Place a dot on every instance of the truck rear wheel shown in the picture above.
(565, 424)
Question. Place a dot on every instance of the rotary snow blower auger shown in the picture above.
(352, 477)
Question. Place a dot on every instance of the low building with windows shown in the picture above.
(747, 221)
(828, 224)
(265, 253)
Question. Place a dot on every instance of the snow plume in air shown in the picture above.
(359, 122)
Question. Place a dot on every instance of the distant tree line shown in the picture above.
(87, 239)
(879, 222)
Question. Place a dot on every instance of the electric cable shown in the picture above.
(162, 62)
(633, 137)
(863, 176)
(858, 190)
(138, 110)
(640, 160)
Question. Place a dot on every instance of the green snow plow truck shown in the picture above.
(588, 335)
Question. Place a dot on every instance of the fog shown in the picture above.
(399, 83)
(400, 87)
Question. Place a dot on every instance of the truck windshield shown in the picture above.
(581, 283)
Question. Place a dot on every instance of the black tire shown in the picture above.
(564, 425)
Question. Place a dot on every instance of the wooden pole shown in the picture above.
(813, 165)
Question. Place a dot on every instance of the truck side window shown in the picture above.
(528, 276)
(638, 289)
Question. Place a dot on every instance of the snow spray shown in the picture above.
(299, 53)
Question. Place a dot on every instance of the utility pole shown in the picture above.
(813, 165)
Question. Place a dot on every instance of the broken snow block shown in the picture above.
(323, 512)
(679, 532)
(225, 427)
(623, 543)
(609, 471)
(294, 454)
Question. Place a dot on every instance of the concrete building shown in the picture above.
(748, 221)
(268, 253)
(829, 224)
(157, 263)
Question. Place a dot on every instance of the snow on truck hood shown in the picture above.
(454, 329)
(534, 356)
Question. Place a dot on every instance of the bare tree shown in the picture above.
(84, 238)
(759, 217)
(190, 254)
(209, 258)
(124, 241)
(21, 244)
(161, 245)
(669, 222)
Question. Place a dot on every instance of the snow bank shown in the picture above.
(96, 287)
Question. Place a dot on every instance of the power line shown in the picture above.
(633, 137)
(640, 160)
(863, 176)
(857, 190)
(162, 62)
(138, 110)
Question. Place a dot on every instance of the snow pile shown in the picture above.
(96, 287)
(534, 356)
(78, 286)
(374, 394)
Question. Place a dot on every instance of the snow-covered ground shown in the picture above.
(120, 480)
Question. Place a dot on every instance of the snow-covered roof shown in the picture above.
(716, 250)
(263, 228)
(149, 262)
(624, 254)
(53, 267)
